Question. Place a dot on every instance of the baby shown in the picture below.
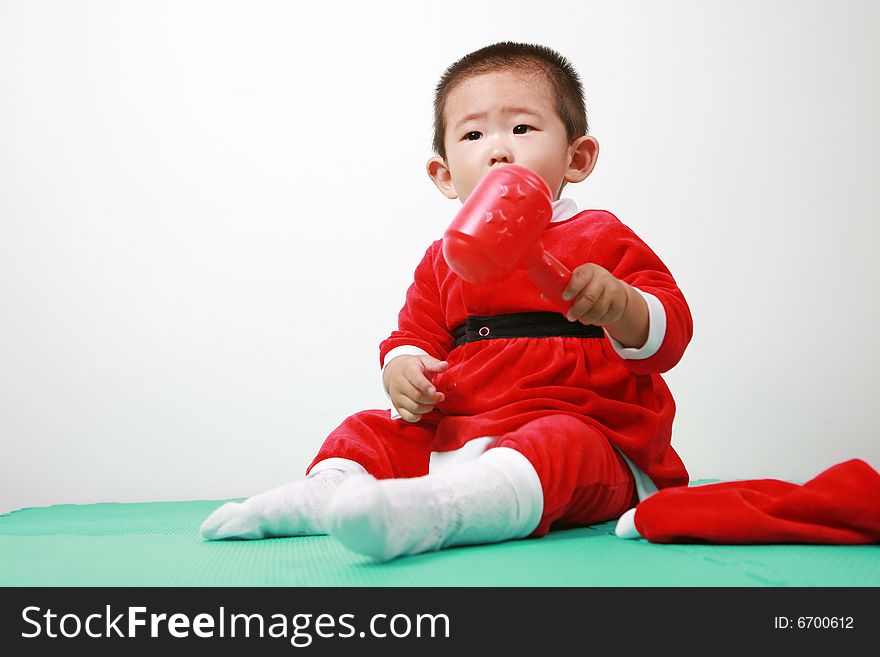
(509, 418)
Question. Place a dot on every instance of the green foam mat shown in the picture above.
(158, 544)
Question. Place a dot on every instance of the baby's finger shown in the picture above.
(434, 365)
(596, 311)
(407, 389)
(424, 389)
(407, 416)
(413, 406)
(582, 305)
(431, 400)
(580, 279)
(608, 311)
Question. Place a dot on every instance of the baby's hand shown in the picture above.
(600, 299)
(408, 382)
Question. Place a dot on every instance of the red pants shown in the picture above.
(584, 479)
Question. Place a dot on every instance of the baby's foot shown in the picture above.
(295, 509)
(389, 518)
(232, 520)
(494, 498)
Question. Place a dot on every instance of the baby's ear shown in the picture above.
(439, 173)
(582, 155)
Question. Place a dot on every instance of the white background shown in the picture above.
(210, 212)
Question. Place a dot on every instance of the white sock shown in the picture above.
(294, 509)
(494, 498)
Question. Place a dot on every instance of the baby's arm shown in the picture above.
(413, 354)
(627, 289)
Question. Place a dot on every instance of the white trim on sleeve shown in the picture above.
(656, 331)
(403, 350)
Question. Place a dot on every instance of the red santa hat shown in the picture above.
(839, 506)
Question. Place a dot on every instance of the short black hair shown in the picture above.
(507, 55)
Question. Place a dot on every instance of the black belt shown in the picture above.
(522, 325)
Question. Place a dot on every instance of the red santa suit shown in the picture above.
(593, 418)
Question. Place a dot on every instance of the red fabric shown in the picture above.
(494, 387)
(839, 506)
(584, 480)
(386, 448)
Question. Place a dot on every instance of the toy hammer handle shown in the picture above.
(551, 278)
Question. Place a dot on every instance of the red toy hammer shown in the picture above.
(498, 230)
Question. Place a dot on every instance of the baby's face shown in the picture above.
(506, 117)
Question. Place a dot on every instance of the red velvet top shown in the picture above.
(495, 386)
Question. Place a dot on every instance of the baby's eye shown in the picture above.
(473, 135)
(522, 129)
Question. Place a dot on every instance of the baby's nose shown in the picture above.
(500, 154)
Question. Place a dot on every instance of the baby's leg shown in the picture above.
(584, 479)
(366, 442)
(495, 498)
(555, 469)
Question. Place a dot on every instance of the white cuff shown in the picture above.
(336, 463)
(403, 350)
(656, 331)
(526, 484)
